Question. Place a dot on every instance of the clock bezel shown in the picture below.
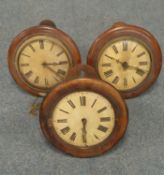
(120, 30)
(84, 84)
(66, 40)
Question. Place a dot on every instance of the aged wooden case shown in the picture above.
(83, 78)
(45, 33)
(121, 31)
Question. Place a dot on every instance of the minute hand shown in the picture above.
(50, 69)
(136, 68)
(112, 58)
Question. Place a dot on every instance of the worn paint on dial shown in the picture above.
(83, 118)
(125, 63)
(43, 61)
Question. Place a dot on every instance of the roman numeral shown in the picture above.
(36, 81)
(46, 82)
(71, 104)
(125, 45)
(105, 119)
(125, 82)
(52, 46)
(83, 101)
(73, 136)
(140, 72)
(106, 65)
(115, 49)
(63, 62)
(25, 55)
(94, 103)
(65, 130)
(24, 65)
(41, 43)
(102, 109)
(60, 53)
(66, 112)
(31, 47)
(102, 128)
(108, 73)
(134, 49)
(56, 79)
(141, 54)
(62, 72)
(62, 121)
(29, 74)
(115, 80)
(143, 63)
(133, 79)
(96, 137)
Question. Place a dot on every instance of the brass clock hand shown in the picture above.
(84, 131)
(50, 69)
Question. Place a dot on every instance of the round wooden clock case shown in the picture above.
(83, 116)
(127, 57)
(40, 57)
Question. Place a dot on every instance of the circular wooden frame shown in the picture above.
(84, 84)
(33, 31)
(120, 30)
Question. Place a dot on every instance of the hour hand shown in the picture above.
(53, 71)
(84, 131)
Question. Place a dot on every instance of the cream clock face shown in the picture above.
(43, 61)
(125, 63)
(83, 118)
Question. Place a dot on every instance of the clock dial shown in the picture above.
(125, 63)
(83, 118)
(43, 61)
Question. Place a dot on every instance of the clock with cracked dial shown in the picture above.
(40, 61)
(127, 57)
(84, 117)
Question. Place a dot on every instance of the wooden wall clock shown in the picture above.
(128, 57)
(40, 57)
(83, 116)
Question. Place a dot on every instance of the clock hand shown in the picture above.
(55, 63)
(50, 69)
(84, 131)
(112, 58)
(127, 66)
